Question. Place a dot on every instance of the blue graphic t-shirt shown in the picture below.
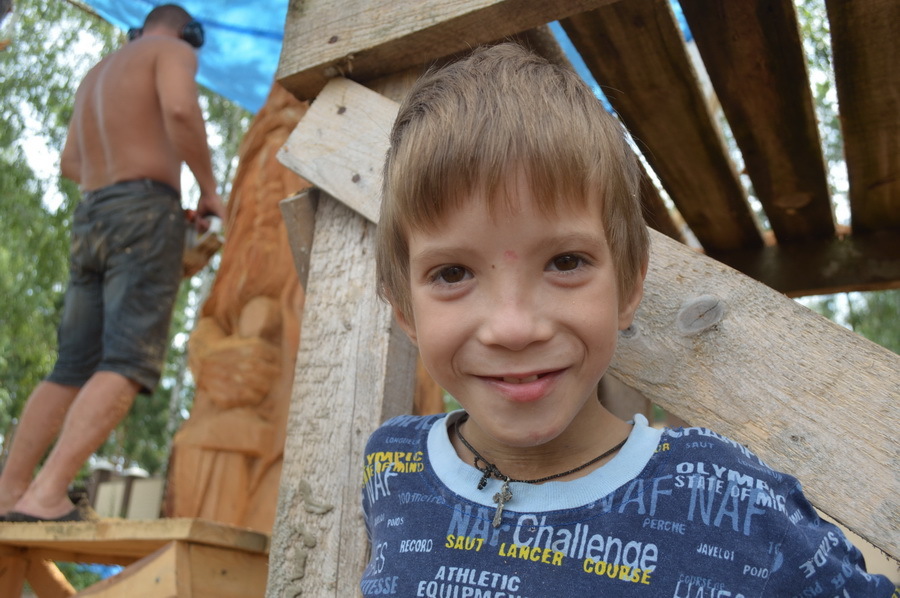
(679, 513)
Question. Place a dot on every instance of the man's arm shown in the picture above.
(184, 123)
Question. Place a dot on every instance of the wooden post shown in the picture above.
(355, 367)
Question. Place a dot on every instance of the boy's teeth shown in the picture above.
(520, 380)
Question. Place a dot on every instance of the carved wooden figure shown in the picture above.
(227, 456)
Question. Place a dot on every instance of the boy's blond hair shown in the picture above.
(467, 127)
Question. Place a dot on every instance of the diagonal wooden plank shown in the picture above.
(635, 51)
(769, 373)
(810, 397)
(865, 39)
(46, 580)
(364, 40)
(754, 59)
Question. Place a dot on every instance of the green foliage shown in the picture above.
(30, 272)
(37, 70)
(877, 318)
(874, 315)
(78, 575)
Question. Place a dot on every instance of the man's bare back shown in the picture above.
(136, 116)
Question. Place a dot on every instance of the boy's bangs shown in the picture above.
(454, 170)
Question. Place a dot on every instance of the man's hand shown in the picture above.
(209, 205)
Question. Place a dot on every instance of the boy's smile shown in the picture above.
(516, 315)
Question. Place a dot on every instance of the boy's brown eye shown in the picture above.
(566, 262)
(452, 274)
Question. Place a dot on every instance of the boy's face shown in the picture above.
(517, 315)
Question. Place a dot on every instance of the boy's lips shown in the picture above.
(524, 387)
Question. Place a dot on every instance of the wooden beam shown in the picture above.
(837, 265)
(755, 61)
(13, 566)
(155, 575)
(866, 51)
(215, 572)
(128, 538)
(46, 580)
(811, 398)
(324, 39)
(635, 51)
(185, 570)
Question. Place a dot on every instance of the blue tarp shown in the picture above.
(243, 41)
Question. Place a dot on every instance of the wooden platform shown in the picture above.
(184, 558)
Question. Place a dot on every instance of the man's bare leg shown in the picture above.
(98, 408)
(39, 424)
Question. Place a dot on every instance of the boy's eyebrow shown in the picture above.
(568, 241)
(440, 253)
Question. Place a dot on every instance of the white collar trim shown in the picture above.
(462, 478)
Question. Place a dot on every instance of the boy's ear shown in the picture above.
(405, 324)
(628, 305)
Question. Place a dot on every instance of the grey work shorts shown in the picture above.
(124, 274)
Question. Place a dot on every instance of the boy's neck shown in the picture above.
(590, 435)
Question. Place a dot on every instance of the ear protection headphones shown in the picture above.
(192, 33)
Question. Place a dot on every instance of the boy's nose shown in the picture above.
(513, 321)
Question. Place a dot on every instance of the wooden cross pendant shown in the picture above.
(501, 498)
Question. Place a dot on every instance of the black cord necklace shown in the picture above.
(489, 470)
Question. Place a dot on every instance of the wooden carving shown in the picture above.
(227, 457)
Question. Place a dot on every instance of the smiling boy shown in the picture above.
(512, 248)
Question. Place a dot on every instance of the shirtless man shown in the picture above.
(136, 119)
